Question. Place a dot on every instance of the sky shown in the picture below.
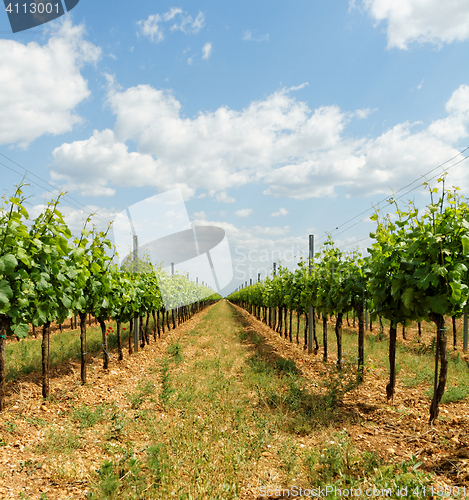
(275, 120)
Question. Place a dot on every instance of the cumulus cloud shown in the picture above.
(296, 152)
(178, 20)
(282, 211)
(41, 85)
(429, 21)
(244, 212)
(206, 50)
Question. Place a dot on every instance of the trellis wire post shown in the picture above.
(274, 310)
(134, 267)
(311, 310)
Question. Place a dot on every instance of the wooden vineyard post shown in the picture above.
(136, 319)
(83, 347)
(311, 310)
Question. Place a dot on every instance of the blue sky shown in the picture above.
(275, 119)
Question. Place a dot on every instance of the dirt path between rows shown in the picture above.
(394, 431)
(26, 471)
(211, 425)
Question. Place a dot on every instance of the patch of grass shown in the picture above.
(422, 376)
(226, 407)
(144, 389)
(175, 351)
(118, 425)
(286, 365)
(35, 421)
(280, 387)
(166, 388)
(452, 393)
(288, 455)
(88, 416)
(336, 463)
(26, 356)
(61, 441)
(259, 365)
(243, 335)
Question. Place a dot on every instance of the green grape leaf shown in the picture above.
(21, 330)
(8, 264)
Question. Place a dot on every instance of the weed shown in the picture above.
(286, 365)
(256, 339)
(338, 464)
(338, 383)
(35, 421)
(108, 480)
(426, 349)
(174, 350)
(143, 390)
(10, 426)
(110, 474)
(29, 466)
(243, 335)
(61, 441)
(118, 424)
(87, 416)
(158, 462)
(288, 455)
(166, 389)
(259, 365)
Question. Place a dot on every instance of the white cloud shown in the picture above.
(271, 231)
(282, 211)
(249, 37)
(224, 198)
(75, 219)
(189, 25)
(421, 21)
(152, 26)
(206, 50)
(364, 113)
(200, 215)
(244, 212)
(40, 86)
(296, 152)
